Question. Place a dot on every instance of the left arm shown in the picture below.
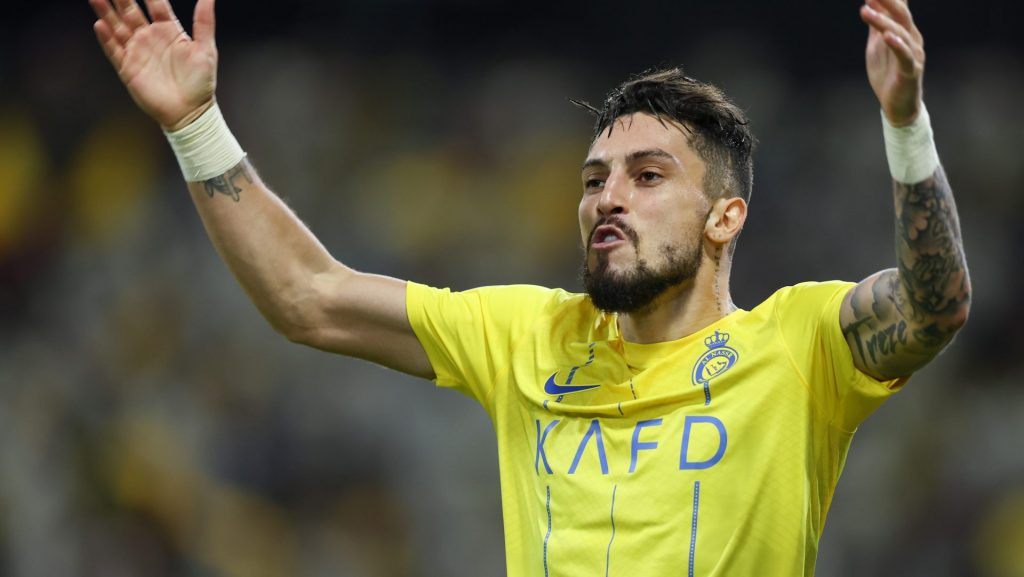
(899, 319)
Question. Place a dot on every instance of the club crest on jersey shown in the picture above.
(714, 362)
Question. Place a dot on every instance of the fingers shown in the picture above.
(112, 20)
(160, 11)
(897, 10)
(904, 53)
(131, 14)
(111, 46)
(204, 23)
(884, 24)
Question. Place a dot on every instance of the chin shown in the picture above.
(615, 264)
(633, 286)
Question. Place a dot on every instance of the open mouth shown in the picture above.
(607, 237)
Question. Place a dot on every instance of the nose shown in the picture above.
(614, 197)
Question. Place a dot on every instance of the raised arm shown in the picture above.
(899, 319)
(302, 291)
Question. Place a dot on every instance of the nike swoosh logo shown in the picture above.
(553, 388)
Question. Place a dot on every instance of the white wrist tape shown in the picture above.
(206, 148)
(911, 149)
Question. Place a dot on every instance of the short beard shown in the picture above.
(635, 290)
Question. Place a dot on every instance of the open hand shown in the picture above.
(895, 58)
(170, 76)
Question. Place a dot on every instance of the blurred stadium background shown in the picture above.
(152, 424)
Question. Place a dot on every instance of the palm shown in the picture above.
(169, 75)
(166, 73)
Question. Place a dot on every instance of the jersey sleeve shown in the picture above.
(469, 336)
(808, 320)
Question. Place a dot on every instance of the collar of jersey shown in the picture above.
(641, 356)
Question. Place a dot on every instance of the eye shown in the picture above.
(592, 183)
(649, 176)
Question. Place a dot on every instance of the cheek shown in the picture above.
(677, 227)
(584, 221)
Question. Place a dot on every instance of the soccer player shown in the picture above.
(648, 427)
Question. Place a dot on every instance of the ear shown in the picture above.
(725, 220)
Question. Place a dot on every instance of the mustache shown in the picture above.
(617, 223)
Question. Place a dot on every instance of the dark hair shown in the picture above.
(718, 130)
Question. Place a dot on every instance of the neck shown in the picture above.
(683, 309)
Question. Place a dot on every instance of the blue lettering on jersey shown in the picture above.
(723, 439)
(593, 431)
(540, 447)
(698, 431)
(636, 446)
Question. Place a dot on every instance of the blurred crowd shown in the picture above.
(151, 423)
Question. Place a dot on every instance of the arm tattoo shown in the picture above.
(225, 183)
(899, 319)
(874, 346)
(929, 249)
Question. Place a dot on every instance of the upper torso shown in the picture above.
(716, 454)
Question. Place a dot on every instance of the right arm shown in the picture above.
(302, 291)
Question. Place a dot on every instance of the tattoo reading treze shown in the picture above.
(225, 183)
(880, 343)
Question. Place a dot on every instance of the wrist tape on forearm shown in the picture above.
(911, 149)
(206, 148)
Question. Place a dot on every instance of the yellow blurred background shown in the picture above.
(151, 423)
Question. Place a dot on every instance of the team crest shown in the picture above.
(714, 362)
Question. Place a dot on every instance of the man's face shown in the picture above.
(642, 214)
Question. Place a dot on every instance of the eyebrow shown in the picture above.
(633, 157)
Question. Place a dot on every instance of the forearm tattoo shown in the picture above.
(225, 183)
(903, 317)
(929, 249)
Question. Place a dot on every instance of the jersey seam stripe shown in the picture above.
(693, 525)
(548, 535)
(608, 555)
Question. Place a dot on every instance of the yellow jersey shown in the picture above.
(713, 455)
